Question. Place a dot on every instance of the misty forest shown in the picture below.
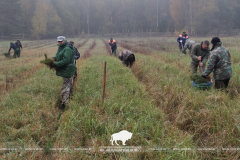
(49, 18)
(116, 79)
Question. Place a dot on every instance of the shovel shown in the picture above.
(201, 70)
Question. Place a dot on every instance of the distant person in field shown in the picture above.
(181, 40)
(76, 57)
(200, 54)
(18, 43)
(188, 45)
(65, 68)
(113, 46)
(220, 63)
(16, 50)
(127, 57)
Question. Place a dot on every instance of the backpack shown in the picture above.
(76, 54)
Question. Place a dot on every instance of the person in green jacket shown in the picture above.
(65, 67)
(199, 54)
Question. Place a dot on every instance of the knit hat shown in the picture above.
(215, 40)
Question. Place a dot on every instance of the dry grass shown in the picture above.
(135, 48)
(87, 53)
(207, 118)
(107, 46)
(82, 43)
(154, 99)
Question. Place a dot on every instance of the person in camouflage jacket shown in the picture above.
(220, 63)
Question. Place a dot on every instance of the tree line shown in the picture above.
(50, 18)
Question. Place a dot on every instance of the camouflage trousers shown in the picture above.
(66, 89)
(130, 60)
(180, 48)
(194, 67)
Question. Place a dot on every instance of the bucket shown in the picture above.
(202, 85)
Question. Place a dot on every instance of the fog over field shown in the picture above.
(50, 18)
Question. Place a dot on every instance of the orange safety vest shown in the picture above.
(112, 41)
(182, 36)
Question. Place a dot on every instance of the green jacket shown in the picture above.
(198, 51)
(220, 63)
(64, 64)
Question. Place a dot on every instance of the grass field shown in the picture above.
(154, 100)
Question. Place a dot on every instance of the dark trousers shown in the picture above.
(130, 60)
(180, 48)
(75, 74)
(16, 53)
(221, 84)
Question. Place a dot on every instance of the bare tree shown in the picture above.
(88, 14)
(157, 13)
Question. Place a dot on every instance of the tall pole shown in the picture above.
(157, 13)
(88, 16)
(191, 17)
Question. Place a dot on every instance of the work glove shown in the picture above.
(204, 76)
(181, 41)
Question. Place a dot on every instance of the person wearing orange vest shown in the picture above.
(181, 40)
(113, 46)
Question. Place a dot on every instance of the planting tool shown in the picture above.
(200, 67)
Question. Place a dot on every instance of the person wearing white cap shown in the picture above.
(65, 67)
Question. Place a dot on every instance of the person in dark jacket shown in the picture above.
(18, 43)
(76, 57)
(127, 57)
(65, 67)
(15, 48)
(181, 40)
(113, 46)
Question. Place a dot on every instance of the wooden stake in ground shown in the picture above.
(104, 81)
(7, 80)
